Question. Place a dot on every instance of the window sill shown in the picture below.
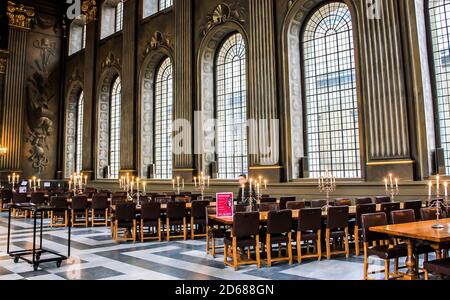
(110, 37)
(157, 14)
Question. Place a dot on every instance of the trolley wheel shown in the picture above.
(36, 267)
(38, 256)
(58, 263)
(16, 259)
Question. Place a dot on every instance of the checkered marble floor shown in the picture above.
(96, 257)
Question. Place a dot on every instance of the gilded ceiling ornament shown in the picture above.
(89, 9)
(224, 13)
(19, 15)
(158, 40)
(111, 61)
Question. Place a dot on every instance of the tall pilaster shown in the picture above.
(384, 91)
(128, 147)
(184, 163)
(89, 9)
(20, 18)
(264, 133)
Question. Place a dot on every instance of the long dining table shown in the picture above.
(439, 239)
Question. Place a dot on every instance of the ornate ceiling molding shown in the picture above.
(158, 40)
(19, 15)
(89, 9)
(224, 13)
(111, 61)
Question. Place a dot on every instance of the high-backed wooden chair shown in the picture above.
(318, 203)
(285, 200)
(125, 218)
(6, 196)
(309, 229)
(387, 208)
(99, 210)
(265, 207)
(176, 219)
(60, 216)
(295, 205)
(244, 234)
(337, 230)
(80, 211)
(362, 209)
(151, 219)
(278, 232)
(214, 232)
(382, 199)
(414, 205)
(198, 218)
(377, 244)
(19, 198)
(363, 200)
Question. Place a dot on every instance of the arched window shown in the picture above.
(151, 7)
(112, 17)
(114, 132)
(439, 14)
(231, 108)
(79, 133)
(332, 126)
(77, 36)
(163, 120)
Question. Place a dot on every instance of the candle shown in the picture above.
(430, 186)
(390, 180)
(209, 178)
(39, 183)
(9, 178)
(195, 181)
(396, 184)
(243, 192)
(70, 184)
(386, 183)
(265, 184)
(437, 184)
(30, 183)
(173, 184)
(446, 189)
(85, 179)
(260, 179)
(144, 184)
(251, 181)
(183, 183)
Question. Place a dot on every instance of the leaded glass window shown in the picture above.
(439, 14)
(114, 133)
(231, 108)
(163, 4)
(119, 17)
(163, 120)
(330, 93)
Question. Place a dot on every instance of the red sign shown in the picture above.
(225, 204)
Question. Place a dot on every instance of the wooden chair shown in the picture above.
(278, 232)
(363, 200)
(387, 208)
(414, 205)
(295, 205)
(244, 234)
(269, 200)
(80, 210)
(285, 200)
(214, 231)
(6, 196)
(309, 229)
(99, 210)
(176, 218)
(361, 209)
(343, 202)
(428, 213)
(125, 218)
(377, 244)
(150, 219)
(318, 203)
(265, 207)
(37, 198)
(19, 198)
(382, 199)
(337, 229)
(60, 213)
(438, 267)
(198, 218)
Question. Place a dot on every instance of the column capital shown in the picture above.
(19, 15)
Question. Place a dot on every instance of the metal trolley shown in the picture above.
(37, 212)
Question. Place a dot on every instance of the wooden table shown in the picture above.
(421, 231)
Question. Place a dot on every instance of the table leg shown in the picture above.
(411, 263)
(438, 250)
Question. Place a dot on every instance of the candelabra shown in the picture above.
(13, 180)
(438, 204)
(392, 189)
(202, 183)
(33, 185)
(178, 185)
(129, 186)
(76, 184)
(327, 185)
(257, 187)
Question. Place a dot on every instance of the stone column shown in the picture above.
(89, 89)
(20, 18)
(128, 147)
(383, 91)
(183, 164)
(264, 134)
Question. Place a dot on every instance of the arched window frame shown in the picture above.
(441, 107)
(233, 165)
(162, 134)
(114, 128)
(79, 134)
(355, 160)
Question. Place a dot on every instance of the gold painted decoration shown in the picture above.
(89, 9)
(224, 13)
(158, 40)
(19, 15)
